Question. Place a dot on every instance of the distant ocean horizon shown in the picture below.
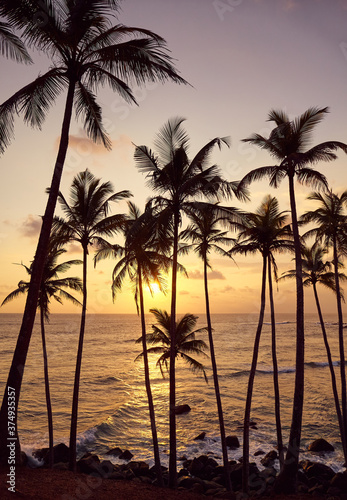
(113, 405)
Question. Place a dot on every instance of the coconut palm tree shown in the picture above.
(315, 270)
(88, 222)
(52, 286)
(205, 234)
(86, 52)
(264, 231)
(143, 264)
(287, 144)
(331, 230)
(179, 181)
(185, 342)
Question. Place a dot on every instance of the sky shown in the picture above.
(242, 58)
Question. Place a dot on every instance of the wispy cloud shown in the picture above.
(212, 275)
(31, 227)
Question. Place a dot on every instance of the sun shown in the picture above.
(154, 287)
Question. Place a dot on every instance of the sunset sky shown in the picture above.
(242, 58)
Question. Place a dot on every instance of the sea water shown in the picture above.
(113, 403)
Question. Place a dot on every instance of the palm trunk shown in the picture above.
(148, 386)
(172, 376)
(275, 369)
(216, 384)
(341, 340)
(286, 481)
(15, 375)
(47, 391)
(245, 460)
(74, 412)
(332, 374)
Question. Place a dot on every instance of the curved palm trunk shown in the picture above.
(332, 373)
(341, 340)
(47, 391)
(216, 383)
(172, 414)
(286, 481)
(275, 369)
(245, 460)
(74, 412)
(15, 375)
(148, 386)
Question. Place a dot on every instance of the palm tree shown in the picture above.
(185, 342)
(86, 52)
(87, 222)
(52, 286)
(140, 261)
(264, 231)
(287, 143)
(179, 181)
(205, 235)
(315, 270)
(331, 230)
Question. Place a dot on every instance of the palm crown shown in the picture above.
(185, 341)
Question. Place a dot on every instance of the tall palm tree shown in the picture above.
(185, 342)
(143, 264)
(52, 286)
(264, 231)
(315, 270)
(288, 143)
(179, 181)
(331, 230)
(205, 234)
(86, 52)
(86, 221)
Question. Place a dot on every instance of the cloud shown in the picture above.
(31, 227)
(184, 292)
(212, 275)
(195, 275)
(85, 146)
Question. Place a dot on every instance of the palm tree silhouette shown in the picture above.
(185, 342)
(87, 52)
(206, 236)
(52, 286)
(331, 230)
(315, 270)
(86, 221)
(287, 143)
(264, 231)
(179, 181)
(143, 264)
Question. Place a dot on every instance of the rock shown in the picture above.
(89, 464)
(183, 458)
(259, 452)
(320, 445)
(200, 437)
(269, 458)
(114, 451)
(139, 468)
(126, 455)
(107, 467)
(317, 470)
(232, 442)
(340, 481)
(60, 451)
(182, 409)
(186, 482)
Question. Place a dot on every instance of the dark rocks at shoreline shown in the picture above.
(205, 476)
(200, 437)
(232, 442)
(60, 454)
(320, 445)
(180, 409)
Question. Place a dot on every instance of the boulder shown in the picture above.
(317, 470)
(126, 455)
(340, 481)
(89, 464)
(200, 437)
(60, 451)
(320, 445)
(259, 452)
(269, 458)
(182, 409)
(232, 442)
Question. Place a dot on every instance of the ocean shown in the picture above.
(113, 404)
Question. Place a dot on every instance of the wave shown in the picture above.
(280, 322)
(288, 369)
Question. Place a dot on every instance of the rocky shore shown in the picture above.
(197, 477)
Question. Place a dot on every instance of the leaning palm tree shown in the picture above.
(185, 342)
(331, 229)
(206, 236)
(52, 286)
(179, 181)
(264, 231)
(288, 143)
(143, 264)
(86, 221)
(315, 270)
(86, 52)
